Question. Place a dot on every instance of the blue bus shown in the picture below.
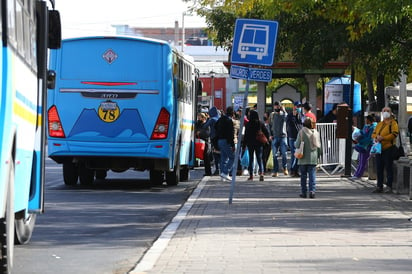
(28, 29)
(122, 103)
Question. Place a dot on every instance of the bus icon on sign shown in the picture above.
(254, 41)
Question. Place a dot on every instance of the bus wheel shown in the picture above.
(101, 174)
(184, 174)
(156, 177)
(86, 175)
(7, 226)
(70, 173)
(173, 177)
(24, 228)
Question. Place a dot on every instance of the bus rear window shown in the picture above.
(110, 60)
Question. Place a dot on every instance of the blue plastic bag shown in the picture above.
(376, 148)
(245, 159)
(356, 134)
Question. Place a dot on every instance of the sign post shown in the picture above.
(254, 43)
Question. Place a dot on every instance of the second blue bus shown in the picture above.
(122, 103)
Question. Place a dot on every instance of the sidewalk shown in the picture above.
(269, 229)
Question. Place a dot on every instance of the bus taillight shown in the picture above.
(55, 126)
(162, 125)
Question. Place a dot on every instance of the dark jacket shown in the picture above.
(225, 130)
(252, 127)
(293, 124)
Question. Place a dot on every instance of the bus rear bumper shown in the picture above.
(115, 156)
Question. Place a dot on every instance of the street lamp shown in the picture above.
(183, 27)
(212, 85)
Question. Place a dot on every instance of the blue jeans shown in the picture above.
(384, 161)
(293, 161)
(259, 151)
(279, 143)
(305, 172)
(227, 156)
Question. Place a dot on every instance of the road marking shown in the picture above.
(152, 255)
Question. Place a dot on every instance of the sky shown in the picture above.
(94, 17)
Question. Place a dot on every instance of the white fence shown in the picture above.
(333, 149)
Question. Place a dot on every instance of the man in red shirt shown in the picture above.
(307, 111)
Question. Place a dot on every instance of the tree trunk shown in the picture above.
(371, 92)
(380, 92)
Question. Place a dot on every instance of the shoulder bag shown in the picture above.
(299, 151)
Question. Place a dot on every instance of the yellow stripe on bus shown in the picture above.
(24, 113)
(186, 126)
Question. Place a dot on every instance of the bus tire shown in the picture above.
(86, 175)
(7, 226)
(173, 177)
(184, 174)
(101, 174)
(24, 229)
(70, 173)
(156, 177)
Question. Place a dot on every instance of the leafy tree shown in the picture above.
(375, 37)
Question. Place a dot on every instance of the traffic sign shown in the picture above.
(239, 72)
(260, 75)
(254, 74)
(254, 42)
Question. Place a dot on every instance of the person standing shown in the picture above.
(312, 148)
(277, 121)
(410, 129)
(253, 145)
(225, 139)
(214, 115)
(267, 147)
(385, 132)
(331, 116)
(203, 132)
(293, 125)
(307, 111)
(363, 145)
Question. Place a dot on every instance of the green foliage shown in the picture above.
(374, 36)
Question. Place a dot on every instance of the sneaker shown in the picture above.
(261, 178)
(225, 177)
(250, 178)
(378, 190)
(275, 174)
(388, 190)
(312, 195)
(295, 174)
(354, 178)
(286, 172)
(303, 195)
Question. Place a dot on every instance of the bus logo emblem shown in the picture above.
(110, 56)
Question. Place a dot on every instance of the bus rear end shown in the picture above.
(111, 108)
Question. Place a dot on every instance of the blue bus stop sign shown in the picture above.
(254, 42)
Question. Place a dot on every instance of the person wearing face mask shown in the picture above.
(293, 125)
(279, 137)
(385, 132)
(363, 146)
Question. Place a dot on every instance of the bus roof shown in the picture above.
(125, 37)
(156, 41)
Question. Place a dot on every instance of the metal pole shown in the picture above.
(348, 144)
(239, 140)
(183, 29)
